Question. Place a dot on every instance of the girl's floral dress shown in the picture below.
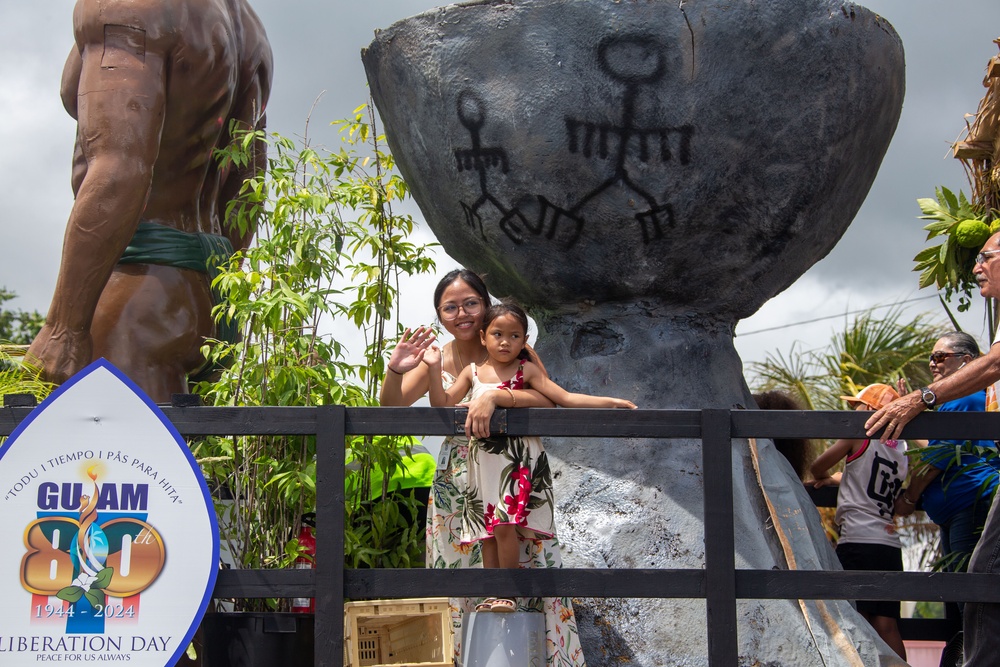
(445, 549)
(509, 480)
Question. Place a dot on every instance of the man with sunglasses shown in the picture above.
(955, 494)
(982, 621)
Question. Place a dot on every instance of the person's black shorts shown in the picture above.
(860, 556)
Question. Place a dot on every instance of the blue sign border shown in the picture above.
(179, 440)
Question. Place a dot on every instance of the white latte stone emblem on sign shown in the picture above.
(111, 545)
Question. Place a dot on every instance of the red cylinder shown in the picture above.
(305, 561)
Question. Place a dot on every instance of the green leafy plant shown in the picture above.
(953, 459)
(962, 230)
(324, 268)
(869, 349)
(19, 377)
(18, 326)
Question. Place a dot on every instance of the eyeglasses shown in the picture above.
(938, 357)
(982, 257)
(449, 311)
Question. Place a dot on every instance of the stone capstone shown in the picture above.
(641, 175)
(702, 153)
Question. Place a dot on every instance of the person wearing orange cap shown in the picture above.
(981, 622)
(869, 486)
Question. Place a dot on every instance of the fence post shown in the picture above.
(331, 425)
(720, 547)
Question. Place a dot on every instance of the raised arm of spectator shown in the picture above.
(406, 377)
(974, 376)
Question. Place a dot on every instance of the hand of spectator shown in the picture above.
(894, 417)
(832, 480)
(903, 508)
(481, 409)
(431, 356)
(410, 349)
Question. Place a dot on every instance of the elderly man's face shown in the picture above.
(987, 272)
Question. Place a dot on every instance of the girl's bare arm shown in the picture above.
(820, 468)
(439, 397)
(481, 409)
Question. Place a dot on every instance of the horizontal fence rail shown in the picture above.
(719, 582)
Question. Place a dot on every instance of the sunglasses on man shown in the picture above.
(939, 357)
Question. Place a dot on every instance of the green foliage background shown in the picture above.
(329, 254)
(947, 266)
(18, 326)
(870, 349)
(17, 329)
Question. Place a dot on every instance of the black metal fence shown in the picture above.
(719, 583)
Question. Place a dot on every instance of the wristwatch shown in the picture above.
(928, 396)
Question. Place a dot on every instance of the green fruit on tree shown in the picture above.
(971, 233)
(995, 226)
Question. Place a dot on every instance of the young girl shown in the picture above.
(460, 301)
(869, 487)
(510, 487)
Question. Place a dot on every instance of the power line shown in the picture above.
(830, 317)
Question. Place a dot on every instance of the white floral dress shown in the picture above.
(445, 550)
(509, 481)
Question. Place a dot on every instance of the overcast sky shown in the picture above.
(317, 44)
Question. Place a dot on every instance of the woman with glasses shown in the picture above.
(956, 495)
(460, 300)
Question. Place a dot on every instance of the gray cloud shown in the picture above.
(317, 46)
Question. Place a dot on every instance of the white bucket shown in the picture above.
(491, 639)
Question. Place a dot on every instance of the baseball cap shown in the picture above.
(874, 396)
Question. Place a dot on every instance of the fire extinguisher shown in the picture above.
(306, 560)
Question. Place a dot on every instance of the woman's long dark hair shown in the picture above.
(798, 451)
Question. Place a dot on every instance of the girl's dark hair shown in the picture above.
(471, 278)
(510, 307)
(961, 342)
(798, 451)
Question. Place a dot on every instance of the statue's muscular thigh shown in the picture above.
(151, 322)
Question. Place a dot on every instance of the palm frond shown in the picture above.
(870, 349)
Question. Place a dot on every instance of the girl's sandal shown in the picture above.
(486, 605)
(503, 605)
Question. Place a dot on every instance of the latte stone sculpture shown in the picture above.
(641, 175)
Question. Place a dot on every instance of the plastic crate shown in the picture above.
(412, 632)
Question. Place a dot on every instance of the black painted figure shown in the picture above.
(631, 60)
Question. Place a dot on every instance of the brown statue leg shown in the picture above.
(151, 322)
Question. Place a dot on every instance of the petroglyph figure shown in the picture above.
(660, 171)
(472, 115)
(634, 61)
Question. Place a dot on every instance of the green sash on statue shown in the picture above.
(154, 243)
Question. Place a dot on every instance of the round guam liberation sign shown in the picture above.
(111, 547)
